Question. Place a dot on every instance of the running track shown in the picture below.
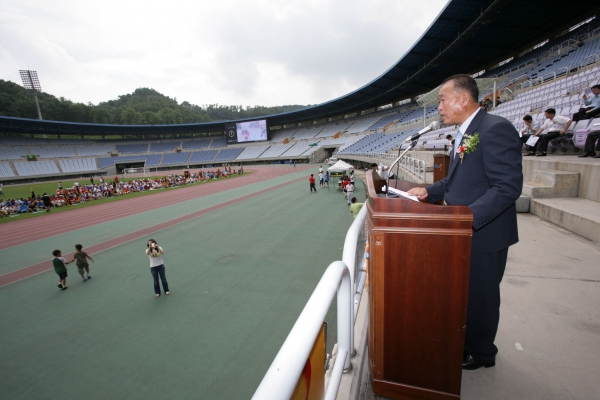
(25, 231)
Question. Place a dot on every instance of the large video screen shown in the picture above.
(249, 131)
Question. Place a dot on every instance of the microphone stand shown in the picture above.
(387, 179)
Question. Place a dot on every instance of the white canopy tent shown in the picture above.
(340, 166)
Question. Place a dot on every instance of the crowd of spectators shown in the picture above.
(79, 193)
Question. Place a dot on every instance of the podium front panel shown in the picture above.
(419, 271)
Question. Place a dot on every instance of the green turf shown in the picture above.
(24, 191)
(239, 278)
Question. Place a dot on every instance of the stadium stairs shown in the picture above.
(566, 192)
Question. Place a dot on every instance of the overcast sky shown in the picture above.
(253, 52)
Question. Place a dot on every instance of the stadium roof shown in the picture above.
(468, 36)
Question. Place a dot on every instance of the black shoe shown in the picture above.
(470, 364)
(531, 153)
(597, 156)
(541, 155)
(587, 154)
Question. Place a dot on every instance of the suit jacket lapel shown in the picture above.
(473, 126)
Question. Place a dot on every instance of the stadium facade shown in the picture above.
(468, 36)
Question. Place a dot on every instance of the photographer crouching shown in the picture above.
(157, 267)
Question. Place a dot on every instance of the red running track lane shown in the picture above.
(44, 266)
(18, 232)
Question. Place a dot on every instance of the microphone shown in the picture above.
(423, 131)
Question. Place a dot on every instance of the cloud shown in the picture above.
(259, 52)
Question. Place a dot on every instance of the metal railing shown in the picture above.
(282, 376)
(413, 166)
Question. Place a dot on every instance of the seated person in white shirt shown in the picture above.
(592, 105)
(556, 125)
(531, 127)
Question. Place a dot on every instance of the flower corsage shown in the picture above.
(469, 145)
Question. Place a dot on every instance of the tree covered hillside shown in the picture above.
(143, 106)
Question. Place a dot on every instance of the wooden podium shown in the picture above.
(419, 274)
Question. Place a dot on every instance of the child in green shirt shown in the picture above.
(60, 268)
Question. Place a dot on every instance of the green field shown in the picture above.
(24, 191)
(239, 277)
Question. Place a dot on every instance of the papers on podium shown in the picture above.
(402, 194)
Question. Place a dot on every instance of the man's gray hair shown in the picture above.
(464, 82)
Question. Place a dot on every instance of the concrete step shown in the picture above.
(552, 183)
(578, 215)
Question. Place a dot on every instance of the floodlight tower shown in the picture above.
(32, 86)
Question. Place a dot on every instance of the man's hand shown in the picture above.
(419, 192)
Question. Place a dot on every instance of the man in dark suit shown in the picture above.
(487, 178)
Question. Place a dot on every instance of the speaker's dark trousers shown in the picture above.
(483, 308)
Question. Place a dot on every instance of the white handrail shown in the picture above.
(349, 253)
(349, 258)
(281, 378)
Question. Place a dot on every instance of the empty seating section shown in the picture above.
(282, 135)
(174, 158)
(307, 133)
(251, 152)
(29, 168)
(58, 142)
(52, 152)
(196, 144)
(218, 142)
(296, 150)
(94, 150)
(6, 171)
(13, 153)
(202, 156)
(132, 148)
(276, 150)
(558, 56)
(228, 154)
(388, 119)
(163, 146)
(153, 160)
(17, 141)
(78, 165)
(370, 143)
(340, 143)
(351, 142)
(331, 130)
(150, 160)
(363, 124)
